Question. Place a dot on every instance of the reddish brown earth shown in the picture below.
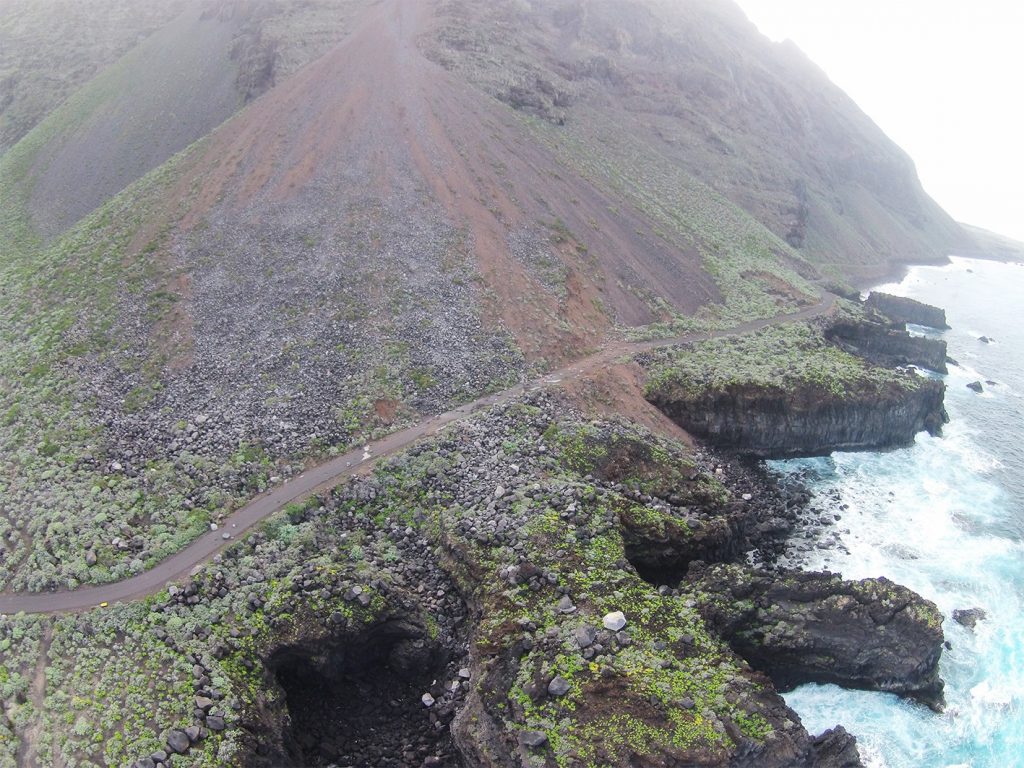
(617, 390)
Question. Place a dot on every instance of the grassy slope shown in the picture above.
(747, 262)
(169, 91)
(51, 48)
(61, 302)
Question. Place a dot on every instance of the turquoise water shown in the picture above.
(946, 518)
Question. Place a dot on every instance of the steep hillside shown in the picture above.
(662, 96)
(435, 207)
(989, 245)
(171, 89)
(50, 48)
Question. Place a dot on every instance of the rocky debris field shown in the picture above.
(132, 435)
(299, 355)
(477, 600)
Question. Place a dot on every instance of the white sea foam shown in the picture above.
(946, 518)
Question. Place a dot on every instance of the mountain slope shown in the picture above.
(454, 195)
(990, 245)
(192, 73)
(50, 48)
(696, 84)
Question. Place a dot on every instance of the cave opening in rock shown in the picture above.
(358, 701)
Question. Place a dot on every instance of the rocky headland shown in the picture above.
(803, 627)
(800, 390)
(532, 588)
(882, 340)
(901, 309)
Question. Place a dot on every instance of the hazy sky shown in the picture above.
(943, 78)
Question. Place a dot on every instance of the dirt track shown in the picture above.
(333, 472)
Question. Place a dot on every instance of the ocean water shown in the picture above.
(946, 518)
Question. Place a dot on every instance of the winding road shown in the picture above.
(334, 472)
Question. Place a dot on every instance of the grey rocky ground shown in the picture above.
(476, 600)
(495, 500)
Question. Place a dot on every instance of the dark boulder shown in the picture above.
(976, 387)
(178, 742)
(533, 739)
(836, 748)
(815, 627)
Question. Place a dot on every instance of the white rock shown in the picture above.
(427, 699)
(748, 496)
(499, 491)
(614, 621)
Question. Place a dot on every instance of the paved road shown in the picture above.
(332, 473)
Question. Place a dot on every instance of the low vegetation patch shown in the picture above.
(783, 358)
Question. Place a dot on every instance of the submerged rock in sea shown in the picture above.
(815, 627)
(969, 617)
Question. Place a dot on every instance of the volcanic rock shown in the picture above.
(814, 627)
(904, 310)
(969, 617)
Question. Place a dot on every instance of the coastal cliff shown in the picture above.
(803, 627)
(809, 421)
(788, 392)
(903, 310)
(872, 336)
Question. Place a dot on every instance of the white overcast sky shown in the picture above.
(943, 78)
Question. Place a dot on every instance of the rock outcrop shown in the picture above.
(775, 422)
(900, 309)
(790, 391)
(815, 627)
(887, 345)
(836, 748)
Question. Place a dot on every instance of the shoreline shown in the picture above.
(936, 520)
(897, 272)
